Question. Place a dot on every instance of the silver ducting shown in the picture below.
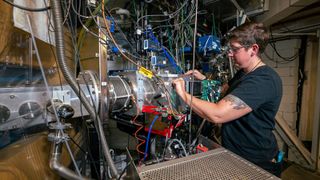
(130, 89)
(120, 93)
(126, 90)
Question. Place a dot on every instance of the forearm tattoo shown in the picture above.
(235, 102)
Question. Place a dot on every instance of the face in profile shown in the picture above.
(239, 54)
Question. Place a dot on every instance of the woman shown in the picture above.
(252, 100)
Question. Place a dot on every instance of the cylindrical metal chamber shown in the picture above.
(130, 89)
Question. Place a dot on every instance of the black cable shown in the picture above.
(277, 62)
(26, 8)
(124, 170)
(86, 152)
(301, 79)
(288, 59)
(78, 145)
(273, 45)
(165, 147)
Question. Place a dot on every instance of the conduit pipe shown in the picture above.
(57, 21)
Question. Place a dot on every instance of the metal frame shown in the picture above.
(103, 74)
(206, 165)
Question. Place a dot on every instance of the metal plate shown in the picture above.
(215, 164)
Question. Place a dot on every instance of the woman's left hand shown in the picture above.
(179, 85)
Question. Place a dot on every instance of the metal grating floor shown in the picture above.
(215, 164)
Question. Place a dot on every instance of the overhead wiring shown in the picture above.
(171, 16)
(185, 20)
(125, 37)
(82, 32)
(113, 40)
(286, 59)
(87, 17)
(80, 15)
(115, 43)
(90, 32)
(68, 12)
(71, 25)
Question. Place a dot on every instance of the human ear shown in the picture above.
(255, 49)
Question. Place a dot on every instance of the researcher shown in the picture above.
(252, 98)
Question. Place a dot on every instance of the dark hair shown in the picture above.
(251, 33)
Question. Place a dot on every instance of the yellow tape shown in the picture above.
(145, 72)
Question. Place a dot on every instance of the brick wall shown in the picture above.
(288, 71)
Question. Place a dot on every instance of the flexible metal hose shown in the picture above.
(55, 165)
(57, 20)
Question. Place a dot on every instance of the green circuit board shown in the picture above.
(210, 90)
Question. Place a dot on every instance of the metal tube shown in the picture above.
(56, 166)
(231, 67)
(59, 37)
(72, 158)
(29, 80)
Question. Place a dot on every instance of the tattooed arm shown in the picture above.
(227, 109)
(235, 102)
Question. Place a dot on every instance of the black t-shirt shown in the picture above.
(251, 136)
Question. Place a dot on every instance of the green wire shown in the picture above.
(83, 32)
(135, 9)
(213, 25)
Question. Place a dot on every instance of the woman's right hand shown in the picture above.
(196, 74)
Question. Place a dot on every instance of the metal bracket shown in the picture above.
(59, 136)
(63, 95)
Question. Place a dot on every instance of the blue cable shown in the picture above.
(171, 60)
(148, 137)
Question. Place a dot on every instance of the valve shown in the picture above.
(64, 111)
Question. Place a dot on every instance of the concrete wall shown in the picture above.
(288, 71)
(289, 75)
